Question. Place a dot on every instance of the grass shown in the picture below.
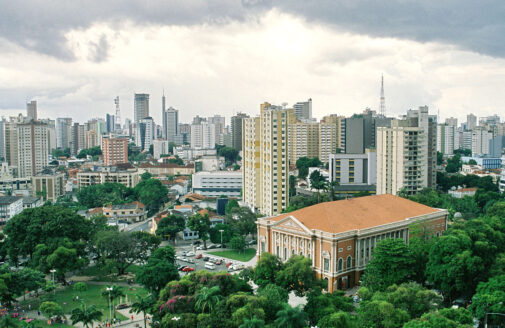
(43, 324)
(93, 295)
(100, 273)
(242, 256)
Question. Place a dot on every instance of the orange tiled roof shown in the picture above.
(357, 213)
(466, 189)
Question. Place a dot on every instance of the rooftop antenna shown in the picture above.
(382, 110)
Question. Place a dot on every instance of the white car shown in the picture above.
(190, 254)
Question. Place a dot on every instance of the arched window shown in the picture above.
(340, 264)
(349, 263)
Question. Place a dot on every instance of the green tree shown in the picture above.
(201, 224)
(146, 176)
(332, 186)
(275, 297)
(391, 264)
(7, 321)
(303, 164)
(440, 158)
(169, 226)
(85, 315)
(318, 182)
(61, 153)
(112, 293)
(215, 233)
(421, 239)
(232, 203)
(381, 314)
(152, 193)
(207, 298)
(339, 319)
(292, 185)
(237, 243)
(320, 305)
(490, 298)
(80, 287)
(266, 270)
(64, 260)
(93, 152)
(230, 154)
(242, 220)
(22, 280)
(254, 322)
(143, 305)
(159, 270)
(103, 194)
(454, 164)
(290, 317)
(297, 275)
(51, 309)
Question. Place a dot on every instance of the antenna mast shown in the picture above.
(382, 110)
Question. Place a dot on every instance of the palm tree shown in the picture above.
(115, 292)
(331, 189)
(254, 322)
(207, 298)
(290, 317)
(143, 304)
(85, 315)
(318, 182)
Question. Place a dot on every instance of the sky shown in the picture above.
(228, 56)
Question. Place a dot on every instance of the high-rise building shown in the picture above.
(141, 107)
(451, 121)
(114, 150)
(184, 134)
(466, 140)
(110, 123)
(357, 134)
(160, 147)
(480, 141)
(236, 130)
(496, 146)
(353, 169)
(203, 135)
(63, 132)
(266, 159)
(471, 121)
(2, 139)
(304, 140)
(78, 138)
(303, 110)
(31, 110)
(170, 124)
(91, 139)
(446, 139)
(32, 148)
(328, 139)
(402, 153)
(11, 141)
(145, 133)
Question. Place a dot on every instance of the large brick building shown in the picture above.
(340, 236)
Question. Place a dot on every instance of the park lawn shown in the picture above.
(242, 256)
(43, 324)
(92, 296)
(102, 274)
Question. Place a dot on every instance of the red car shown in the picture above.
(198, 256)
(228, 264)
(188, 269)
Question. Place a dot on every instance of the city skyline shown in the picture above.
(229, 58)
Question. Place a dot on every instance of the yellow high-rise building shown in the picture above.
(304, 140)
(265, 146)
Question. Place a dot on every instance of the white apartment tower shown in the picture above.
(480, 141)
(447, 136)
(303, 110)
(144, 133)
(402, 154)
(266, 153)
(170, 124)
(31, 110)
(32, 148)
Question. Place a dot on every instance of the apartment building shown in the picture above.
(354, 169)
(304, 140)
(10, 206)
(32, 146)
(114, 150)
(217, 183)
(48, 185)
(328, 140)
(266, 159)
(341, 245)
(113, 174)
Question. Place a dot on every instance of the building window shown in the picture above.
(349, 262)
(277, 251)
(262, 247)
(326, 264)
(285, 253)
(340, 264)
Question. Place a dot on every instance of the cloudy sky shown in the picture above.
(225, 56)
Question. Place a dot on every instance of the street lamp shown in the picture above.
(109, 289)
(221, 231)
(54, 286)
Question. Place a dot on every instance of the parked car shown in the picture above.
(197, 242)
(191, 261)
(184, 253)
(182, 267)
(205, 258)
(210, 266)
(190, 254)
(218, 262)
(201, 248)
(211, 246)
(122, 306)
(228, 264)
(198, 256)
(188, 269)
(252, 242)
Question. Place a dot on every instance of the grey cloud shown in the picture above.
(475, 25)
(100, 50)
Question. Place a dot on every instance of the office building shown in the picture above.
(304, 140)
(496, 146)
(471, 122)
(63, 132)
(236, 130)
(160, 147)
(328, 140)
(32, 148)
(184, 136)
(31, 110)
(402, 158)
(49, 185)
(170, 124)
(144, 136)
(78, 139)
(358, 134)
(266, 159)
(9, 207)
(303, 110)
(217, 183)
(141, 107)
(114, 150)
(354, 169)
(341, 245)
(110, 123)
(480, 141)
(465, 140)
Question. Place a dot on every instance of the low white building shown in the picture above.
(10, 206)
(462, 192)
(355, 169)
(188, 153)
(217, 183)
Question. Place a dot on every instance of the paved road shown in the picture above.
(140, 226)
